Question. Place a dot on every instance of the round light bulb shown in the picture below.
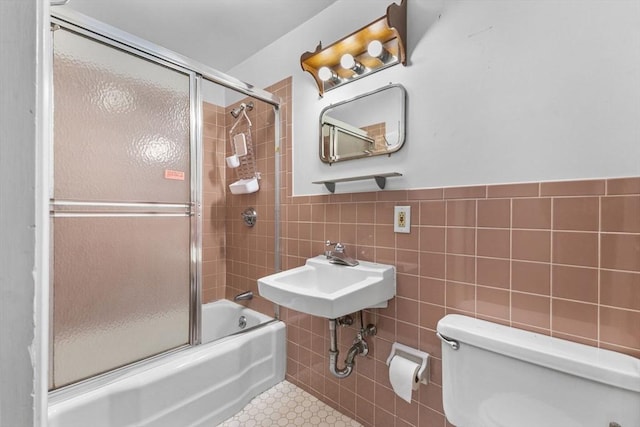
(325, 74)
(347, 61)
(375, 48)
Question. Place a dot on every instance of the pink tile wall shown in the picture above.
(558, 258)
(234, 255)
(561, 259)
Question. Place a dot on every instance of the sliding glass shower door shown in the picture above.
(121, 208)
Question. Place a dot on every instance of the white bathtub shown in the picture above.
(200, 386)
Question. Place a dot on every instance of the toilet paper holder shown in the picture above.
(415, 355)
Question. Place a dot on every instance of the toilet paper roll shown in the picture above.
(402, 375)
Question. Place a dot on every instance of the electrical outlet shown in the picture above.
(402, 219)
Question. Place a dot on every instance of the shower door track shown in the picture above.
(101, 31)
(113, 375)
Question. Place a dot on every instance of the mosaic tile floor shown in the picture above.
(288, 405)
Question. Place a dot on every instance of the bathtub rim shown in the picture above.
(262, 318)
(96, 382)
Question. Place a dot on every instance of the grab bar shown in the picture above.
(453, 343)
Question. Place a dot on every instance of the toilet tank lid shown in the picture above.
(596, 364)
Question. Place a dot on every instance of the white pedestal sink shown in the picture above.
(330, 290)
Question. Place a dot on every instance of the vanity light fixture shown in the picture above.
(348, 62)
(327, 75)
(372, 48)
(375, 49)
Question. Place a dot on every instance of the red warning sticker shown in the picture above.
(177, 175)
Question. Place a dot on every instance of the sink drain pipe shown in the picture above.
(359, 347)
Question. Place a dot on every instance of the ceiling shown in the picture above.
(218, 33)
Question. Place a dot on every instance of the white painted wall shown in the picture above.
(499, 91)
(23, 213)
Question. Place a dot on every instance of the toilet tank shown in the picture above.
(505, 377)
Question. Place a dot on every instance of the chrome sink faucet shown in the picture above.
(338, 254)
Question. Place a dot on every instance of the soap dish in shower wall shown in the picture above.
(245, 186)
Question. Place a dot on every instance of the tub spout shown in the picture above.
(243, 296)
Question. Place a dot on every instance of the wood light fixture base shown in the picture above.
(372, 48)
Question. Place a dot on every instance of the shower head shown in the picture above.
(236, 111)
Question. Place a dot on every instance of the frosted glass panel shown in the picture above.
(121, 125)
(121, 269)
(121, 291)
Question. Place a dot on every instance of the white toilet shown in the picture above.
(497, 376)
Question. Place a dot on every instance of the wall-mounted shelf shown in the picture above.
(381, 180)
(372, 48)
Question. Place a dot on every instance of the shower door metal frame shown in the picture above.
(137, 45)
(197, 71)
(192, 209)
